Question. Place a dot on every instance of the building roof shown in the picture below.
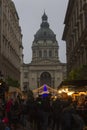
(44, 33)
(75, 83)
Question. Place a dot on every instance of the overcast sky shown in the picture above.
(30, 13)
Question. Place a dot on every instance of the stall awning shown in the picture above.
(14, 89)
(78, 85)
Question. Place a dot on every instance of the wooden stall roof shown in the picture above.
(76, 83)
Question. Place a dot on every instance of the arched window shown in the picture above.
(50, 53)
(40, 54)
(56, 53)
(44, 33)
(45, 78)
(45, 53)
(34, 53)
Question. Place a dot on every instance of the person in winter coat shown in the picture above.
(70, 120)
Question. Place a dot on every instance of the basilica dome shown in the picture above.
(44, 33)
(45, 46)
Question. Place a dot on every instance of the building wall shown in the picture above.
(10, 40)
(75, 34)
(24, 77)
(45, 67)
(45, 49)
(31, 74)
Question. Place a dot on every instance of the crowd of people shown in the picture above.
(42, 113)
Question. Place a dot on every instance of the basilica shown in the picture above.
(45, 67)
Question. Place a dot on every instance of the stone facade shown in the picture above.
(10, 40)
(75, 34)
(45, 67)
